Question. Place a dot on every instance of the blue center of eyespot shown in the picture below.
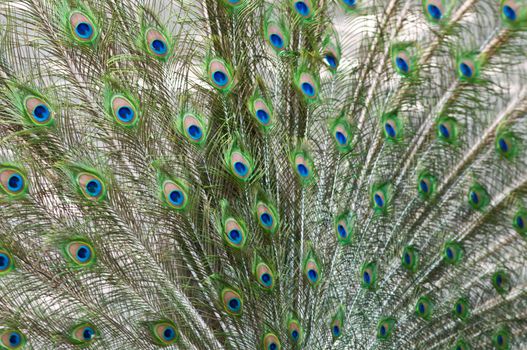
(443, 129)
(4, 261)
(390, 130)
(93, 187)
(341, 138)
(401, 64)
(336, 331)
(273, 346)
(312, 275)
(449, 253)
(504, 147)
(302, 8)
(342, 231)
(125, 114)
(499, 338)
(169, 333)
(84, 30)
(407, 258)
(302, 170)
(266, 279)
(520, 222)
(509, 13)
(434, 12)
(423, 185)
(421, 308)
(195, 132)
(294, 334)
(459, 308)
(234, 304)
(474, 197)
(331, 60)
(14, 339)
(276, 41)
(15, 183)
(366, 277)
(88, 333)
(499, 280)
(378, 200)
(235, 236)
(219, 78)
(158, 46)
(240, 168)
(465, 69)
(266, 219)
(176, 197)
(262, 116)
(83, 253)
(41, 113)
(350, 2)
(383, 330)
(308, 89)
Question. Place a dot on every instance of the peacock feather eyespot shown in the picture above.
(447, 129)
(410, 258)
(80, 253)
(506, 144)
(344, 228)
(312, 269)
(424, 307)
(337, 323)
(501, 338)
(501, 281)
(220, 74)
(304, 8)
(38, 110)
(82, 27)
(478, 197)
(426, 185)
(368, 275)
(468, 68)
(277, 35)
(307, 84)
(392, 127)
(341, 131)
(403, 61)
(6, 262)
(461, 309)
(331, 55)
(175, 194)
(13, 181)
(461, 344)
(519, 222)
(349, 5)
(124, 111)
(240, 164)
(12, 339)
(452, 253)
(381, 197)
(270, 341)
(267, 217)
(513, 13)
(294, 330)
(164, 332)
(193, 128)
(156, 44)
(235, 233)
(84, 333)
(91, 186)
(262, 112)
(385, 328)
(232, 301)
(303, 166)
(435, 10)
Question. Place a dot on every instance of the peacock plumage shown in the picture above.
(254, 174)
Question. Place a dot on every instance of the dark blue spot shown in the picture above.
(520, 222)
(273, 346)
(450, 253)
(15, 183)
(302, 170)
(125, 114)
(366, 277)
(84, 30)
(383, 330)
(422, 308)
(169, 333)
(262, 116)
(266, 219)
(313, 275)
(308, 89)
(504, 147)
(341, 138)
(41, 113)
(390, 130)
(465, 69)
(509, 13)
(276, 41)
(499, 280)
(459, 308)
(445, 132)
(402, 64)
(407, 259)
(350, 2)
(499, 339)
(294, 334)
(336, 331)
(379, 201)
(219, 78)
(331, 60)
(434, 12)
(83, 253)
(159, 46)
(266, 279)
(342, 231)
(14, 339)
(424, 186)
(88, 333)
(235, 236)
(234, 304)
(240, 168)
(474, 197)
(4, 262)
(93, 187)
(302, 8)
(195, 132)
(176, 197)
